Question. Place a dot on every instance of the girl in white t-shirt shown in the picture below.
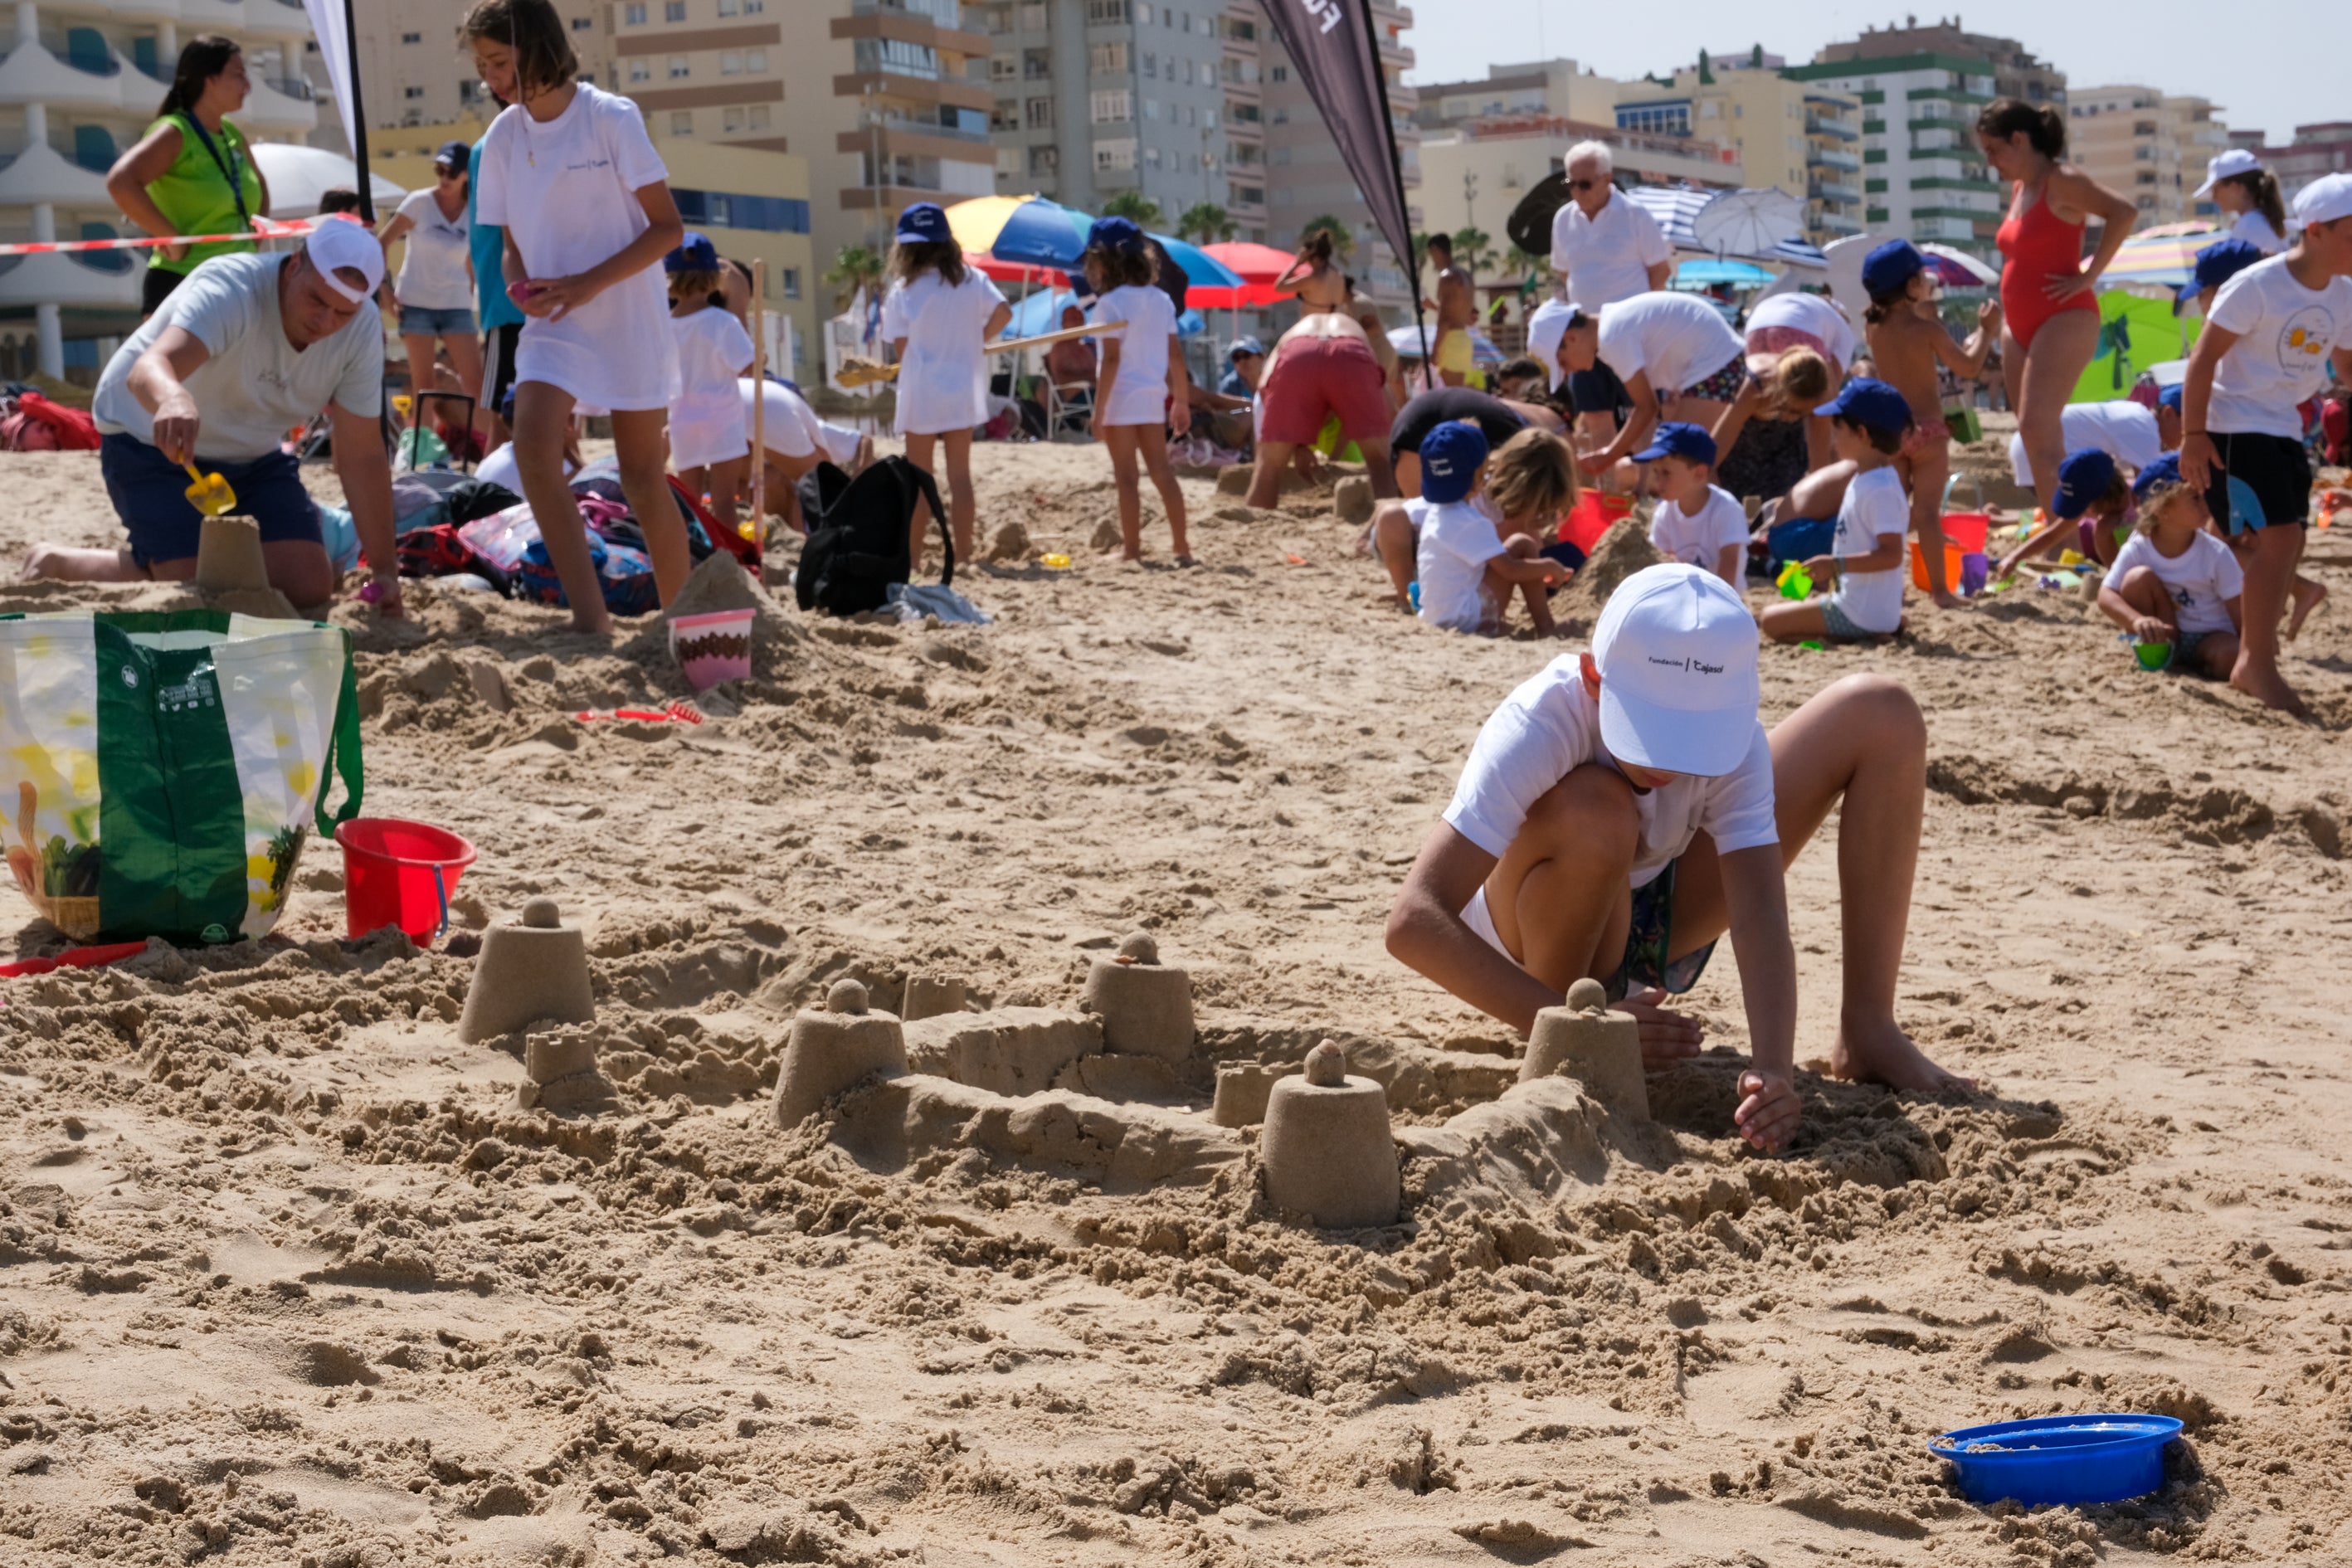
(2173, 582)
(938, 316)
(1141, 392)
(569, 172)
(709, 435)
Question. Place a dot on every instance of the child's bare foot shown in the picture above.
(1883, 1053)
(2309, 596)
(2269, 688)
(37, 562)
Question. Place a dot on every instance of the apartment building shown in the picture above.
(2012, 71)
(1923, 176)
(80, 83)
(1304, 177)
(1472, 174)
(2146, 145)
(1798, 137)
(413, 72)
(1554, 86)
(2316, 150)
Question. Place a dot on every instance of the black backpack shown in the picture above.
(857, 534)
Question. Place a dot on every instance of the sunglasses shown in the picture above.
(1586, 184)
(444, 170)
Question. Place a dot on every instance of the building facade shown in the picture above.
(2316, 150)
(81, 83)
(1555, 87)
(2012, 70)
(1923, 175)
(2148, 146)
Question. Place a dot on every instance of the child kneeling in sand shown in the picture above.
(1868, 420)
(1625, 808)
(1528, 482)
(1468, 565)
(2173, 582)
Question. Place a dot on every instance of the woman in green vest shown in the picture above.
(192, 172)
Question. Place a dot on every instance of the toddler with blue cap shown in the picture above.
(1863, 567)
(2175, 588)
(1467, 568)
(1697, 522)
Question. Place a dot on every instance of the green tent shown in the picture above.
(2134, 333)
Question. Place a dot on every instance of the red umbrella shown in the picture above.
(987, 265)
(1259, 266)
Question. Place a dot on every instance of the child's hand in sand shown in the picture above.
(2147, 628)
(1667, 1036)
(1769, 1108)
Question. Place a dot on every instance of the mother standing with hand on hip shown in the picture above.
(192, 172)
(2050, 313)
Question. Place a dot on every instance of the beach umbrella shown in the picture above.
(1706, 272)
(988, 266)
(1677, 207)
(1039, 313)
(1202, 270)
(299, 176)
(2164, 257)
(1749, 221)
(1256, 266)
(1021, 230)
(1956, 269)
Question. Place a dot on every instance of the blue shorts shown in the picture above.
(150, 495)
(1649, 942)
(423, 321)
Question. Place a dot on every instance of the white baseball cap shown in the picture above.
(2221, 165)
(338, 243)
(1545, 329)
(1677, 651)
(2324, 200)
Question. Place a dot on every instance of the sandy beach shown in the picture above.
(286, 1278)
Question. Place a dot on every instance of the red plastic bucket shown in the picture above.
(1590, 518)
(400, 873)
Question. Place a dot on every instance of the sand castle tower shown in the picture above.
(929, 995)
(535, 970)
(830, 1050)
(232, 573)
(1146, 1007)
(1588, 1042)
(1327, 1150)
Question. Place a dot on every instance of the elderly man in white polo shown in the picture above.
(247, 349)
(1605, 248)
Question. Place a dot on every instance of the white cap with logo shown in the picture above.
(1677, 651)
(338, 243)
(2221, 165)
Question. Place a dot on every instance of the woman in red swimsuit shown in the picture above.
(2050, 316)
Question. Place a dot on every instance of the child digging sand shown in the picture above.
(569, 174)
(2173, 582)
(1696, 524)
(1907, 340)
(1868, 420)
(1141, 392)
(710, 437)
(1529, 484)
(1468, 568)
(938, 316)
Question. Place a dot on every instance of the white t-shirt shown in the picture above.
(256, 385)
(2285, 332)
(1810, 314)
(1698, 540)
(792, 426)
(2122, 430)
(1607, 259)
(707, 422)
(1552, 725)
(1676, 339)
(2255, 229)
(1874, 504)
(944, 376)
(434, 275)
(565, 191)
(1140, 395)
(1457, 539)
(500, 469)
(2202, 579)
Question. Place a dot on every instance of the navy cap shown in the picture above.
(1870, 402)
(925, 223)
(2165, 471)
(2217, 264)
(1245, 346)
(457, 155)
(1450, 455)
(1676, 439)
(1889, 267)
(1115, 234)
(696, 254)
(2083, 479)
(2170, 396)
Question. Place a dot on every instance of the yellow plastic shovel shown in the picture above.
(210, 494)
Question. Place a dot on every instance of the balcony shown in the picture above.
(238, 16)
(1831, 158)
(41, 174)
(1834, 223)
(279, 105)
(1833, 191)
(31, 74)
(70, 281)
(1830, 125)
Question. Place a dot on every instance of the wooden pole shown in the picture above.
(759, 400)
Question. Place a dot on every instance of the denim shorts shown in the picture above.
(150, 495)
(423, 321)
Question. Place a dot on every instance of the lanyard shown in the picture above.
(228, 166)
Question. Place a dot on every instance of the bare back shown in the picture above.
(1904, 347)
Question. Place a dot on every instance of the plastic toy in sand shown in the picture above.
(713, 648)
(1327, 1150)
(1795, 582)
(1146, 1007)
(527, 973)
(209, 493)
(830, 1050)
(2062, 1460)
(1586, 1041)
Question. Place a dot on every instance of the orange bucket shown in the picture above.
(399, 873)
(1590, 517)
(1964, 534)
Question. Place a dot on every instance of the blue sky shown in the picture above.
(2270, 64)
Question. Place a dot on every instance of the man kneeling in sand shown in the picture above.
(249, 347)
(1625, 807)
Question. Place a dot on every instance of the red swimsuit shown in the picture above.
(2038, 245)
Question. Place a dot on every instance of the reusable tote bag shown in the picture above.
(159, 771)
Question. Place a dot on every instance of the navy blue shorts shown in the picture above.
(150, 495)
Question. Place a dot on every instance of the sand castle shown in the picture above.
(1146, 1007)
(830, 1050)
(930, 996)
(1327, 1150)
(1586, 1041)
(231, 573)
(538, 970)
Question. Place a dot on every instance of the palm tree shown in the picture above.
(1473, 248)
(1134, 206)
(1343, 239)
(857, 267)
(1526, 265)
(1207, 222)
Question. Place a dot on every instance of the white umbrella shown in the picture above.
(1748, 222)
(299, 176)
(1677, 207)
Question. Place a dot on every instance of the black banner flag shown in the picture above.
(1334, 47)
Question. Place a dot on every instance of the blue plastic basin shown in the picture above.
(2060, 1459)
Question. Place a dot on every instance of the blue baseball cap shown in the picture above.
(1870, 402)
(1889, 267)
(695, 254)
(1245, 346)
(2169, 396)
(1115, 234)
(2083, 479)
(2217, 264)
(1450, 455)
(925, 223)
(2165, 471)
(1676, 439)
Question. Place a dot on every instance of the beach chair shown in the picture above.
(1069, 406)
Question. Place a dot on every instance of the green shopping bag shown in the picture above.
(161, 771)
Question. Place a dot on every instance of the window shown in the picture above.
(1108, 11)
(640, 69)
(582, 23)
(633, 15)
(1188, 68)
(1119, 155)
(755, 7)
(1152, 156)
(681, 122)
(1045, 160)
(1151, 66)
(1037, 65)
(412, 38)
(1150, 109)
(759, 117)
(729, 7)
(1004, 68)
(673, 10)
(756, 62)
(1008, 163)
(731, 62)
(732, 120)
(1107, 58)
(1038, 114)
(1032, 16)
(1113, 108)
(722, 210)
(792, 282)
(1006, 115)
(677, 68)
(1279, 73)
(412, 92)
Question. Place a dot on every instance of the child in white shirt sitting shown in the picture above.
(2174, 582)
(1868, 420)
(1467, 568)
(1697, 522)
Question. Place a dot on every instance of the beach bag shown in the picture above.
(858, 536)
(20, 432)
(161, 770)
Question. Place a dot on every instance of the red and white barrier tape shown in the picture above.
(263, 228)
